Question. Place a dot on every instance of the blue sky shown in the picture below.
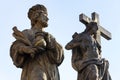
(63, 22)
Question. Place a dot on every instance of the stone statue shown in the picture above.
(86, 54)
(35, 51)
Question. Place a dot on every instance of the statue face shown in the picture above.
(94, 29)
(42, 18)
(38, 16)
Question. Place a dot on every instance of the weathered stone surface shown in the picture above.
(35, 51)
(86, 51)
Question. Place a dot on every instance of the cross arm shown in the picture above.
(84, 19)
(106, 34)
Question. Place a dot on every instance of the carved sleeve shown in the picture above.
(55, 52)
(17, 56)
(19, 53)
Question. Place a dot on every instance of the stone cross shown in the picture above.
(101, 31)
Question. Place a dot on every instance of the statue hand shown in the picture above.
(39, 41)
(51, 42)
(27, 50)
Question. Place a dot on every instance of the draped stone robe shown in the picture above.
(44, 64)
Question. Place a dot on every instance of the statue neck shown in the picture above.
(38, 27)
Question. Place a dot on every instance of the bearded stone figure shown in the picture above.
(35, 51)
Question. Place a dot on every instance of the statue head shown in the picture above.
(38, 13)
(91, 28)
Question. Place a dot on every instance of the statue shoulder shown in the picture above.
(27, 31)
(48, 35)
